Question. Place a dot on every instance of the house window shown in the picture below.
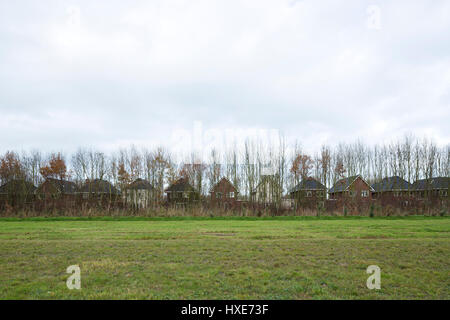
(352, 193)
(185, 195)
(308, 194)
(231, 195)
(219, 195)
(320, 193)
(364, 193)
(443, 193)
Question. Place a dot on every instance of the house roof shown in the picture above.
(272, 179)
(267, 178)
(391, 183)
(62, 186)
(99, 186)
(181, 185)
(433, 183)
(140, 184)
(308, 184)
(343, 184)
(224, 180)
(17, 186)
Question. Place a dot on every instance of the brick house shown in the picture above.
(181, 193)
(432, 189)
(139, 194)
(309, 193)
(224, 194)
(17, 192)
(268, 191)
(56, 189)
(391, 188)
(98, 189)
(354, 187)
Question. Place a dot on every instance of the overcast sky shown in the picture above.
(110, 73)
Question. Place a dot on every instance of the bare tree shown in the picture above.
(325, 163)
(32, 162)
(214, 168)
(250, 167)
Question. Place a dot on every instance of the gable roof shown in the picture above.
(99, 186)
(308, 184)
(222, 181)
(181, 185)
(391, 183)
(343, 184)
(273, 179)
(433, 183)
(17, 186)
(62, 186)
(140, 184)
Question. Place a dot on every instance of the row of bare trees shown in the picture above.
(410, 158)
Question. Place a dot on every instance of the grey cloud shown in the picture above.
(134, 72)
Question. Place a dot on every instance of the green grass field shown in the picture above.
(207, 258)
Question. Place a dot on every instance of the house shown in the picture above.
(354, 187)
(268, 191)
(17, 191)
(224, 194)
(181, 193)
(99, 189)
(287, 202)
(139, 194)
(56, 188)
(434, 188)
(309, 193)
(391, 188)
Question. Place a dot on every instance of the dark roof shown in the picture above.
(343, 184)
(224, 180)
(63, 186)
(308, 184)
(433, 183)
(391, 183)
(17, 187)
(99, 186)
(181, 185)
(140, 184)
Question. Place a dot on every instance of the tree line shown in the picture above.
(410, 158)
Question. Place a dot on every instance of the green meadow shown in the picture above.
(225, 258)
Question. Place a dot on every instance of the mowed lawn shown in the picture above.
(280, 258)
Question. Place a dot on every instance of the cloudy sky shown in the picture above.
(111, 73)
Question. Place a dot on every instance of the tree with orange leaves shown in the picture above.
(301, 166)
(56, 168)
(123, 176)
(11, 167)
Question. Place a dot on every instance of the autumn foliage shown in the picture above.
(301, 166)
(56, 168)
(10, 167)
